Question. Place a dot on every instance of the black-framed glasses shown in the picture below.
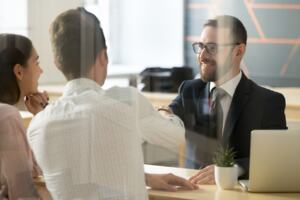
(211, 48)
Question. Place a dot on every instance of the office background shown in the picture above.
(143, 33)
(273, 56)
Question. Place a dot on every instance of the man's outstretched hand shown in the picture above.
(168, 182)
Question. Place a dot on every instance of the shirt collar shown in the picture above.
(230, 85)
(80, 85)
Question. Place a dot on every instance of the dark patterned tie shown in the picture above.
(216, 112)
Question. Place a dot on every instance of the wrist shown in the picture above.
(165, 109)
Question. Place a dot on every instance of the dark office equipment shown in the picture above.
(157, 79)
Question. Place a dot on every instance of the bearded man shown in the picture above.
(223, 106)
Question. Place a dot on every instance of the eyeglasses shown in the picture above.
(211, 48)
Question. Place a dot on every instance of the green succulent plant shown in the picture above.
(224, 157)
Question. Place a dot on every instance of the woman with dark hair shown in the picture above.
(19, 74)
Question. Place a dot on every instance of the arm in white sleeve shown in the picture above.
(167, 132)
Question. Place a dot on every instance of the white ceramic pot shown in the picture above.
(226, 177)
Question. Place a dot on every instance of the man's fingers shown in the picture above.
(204, 176)
(195, 176)
(170, 188)
(200, 177)
(162, 185)
(169, 182)
(208, 168)
(208, 179)
(200, 174)
(178, 181)
(212, 182)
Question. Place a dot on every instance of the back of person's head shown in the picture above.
(14, 49)
(77, 38)
(236, 27)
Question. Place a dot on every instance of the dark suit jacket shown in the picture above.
(252, 107)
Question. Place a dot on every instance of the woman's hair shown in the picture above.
(14, 49)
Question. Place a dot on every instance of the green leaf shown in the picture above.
(224, 157)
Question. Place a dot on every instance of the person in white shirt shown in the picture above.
(88, 142)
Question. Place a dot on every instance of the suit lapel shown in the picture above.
(200, 100)
(200, 97)
(239, 100)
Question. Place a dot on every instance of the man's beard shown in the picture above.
(218, 72)
(212, 76)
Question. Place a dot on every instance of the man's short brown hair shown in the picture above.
(237, 29)
(77, 38)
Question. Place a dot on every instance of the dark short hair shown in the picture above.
(14, 49)
(77, 38)
(238, 30)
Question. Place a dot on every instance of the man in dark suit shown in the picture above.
(223, 106)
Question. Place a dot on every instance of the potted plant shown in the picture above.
(225, 168)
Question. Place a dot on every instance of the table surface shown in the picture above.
(208, 192)
(292, 94)
(205, 192)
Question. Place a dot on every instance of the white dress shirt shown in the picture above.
(229, 87)
(88, 142)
